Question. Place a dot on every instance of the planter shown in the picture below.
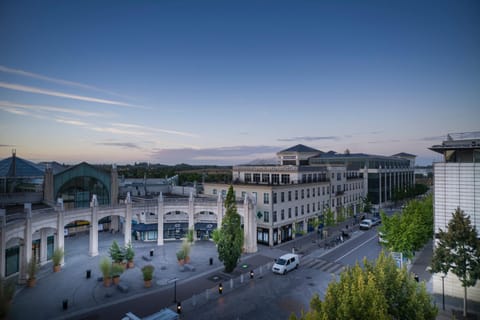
(107, 281)
(31, 282)
(56, 268)
(130, 264)
(148, 283)
(116, 280)
(181, 262)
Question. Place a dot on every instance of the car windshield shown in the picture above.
(281, 262)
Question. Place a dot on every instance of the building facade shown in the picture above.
(291, 195)
(457, 185)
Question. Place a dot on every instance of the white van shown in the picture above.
(286, 263)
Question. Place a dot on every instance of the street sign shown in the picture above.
(398, 257)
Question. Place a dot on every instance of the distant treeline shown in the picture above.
(186, 173)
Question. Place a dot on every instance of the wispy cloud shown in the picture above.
(221, 155)
(31, 107)
(125, 145)
(55, 80)
(174, 132)
(6, 145)
(72, 122)
(433, 138)
(19, 87)
(308, 138)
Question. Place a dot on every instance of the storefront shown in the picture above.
(263, 236)
(145, 232)
(204, 230)
(286, 233)
(176, 230)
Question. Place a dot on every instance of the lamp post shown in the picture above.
(220, 288)
(174, 280)
(443, 290)
(251, 274)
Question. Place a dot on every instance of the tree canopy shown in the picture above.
(411, 230)
(230, 242)
(458, 251)
(379, 290)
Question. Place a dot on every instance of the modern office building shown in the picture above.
(457, 185)
(289, 196)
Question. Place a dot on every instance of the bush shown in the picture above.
(129, 253)
(116, 253)
(106, 267)
(32, 268)
(57, 256)
(147, 272)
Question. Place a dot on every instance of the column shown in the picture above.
(191, 212)
(3, 242)
(93, 243)
(249, 226)
(219, 211)
(43, 246)
(379, 187)
(270, 237)
(60, 238)
(385, 189)
(128, 220)
(27, 243)
(160, 214)
(390, 185)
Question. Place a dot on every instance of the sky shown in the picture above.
(228, 82)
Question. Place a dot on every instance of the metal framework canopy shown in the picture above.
(77, 184)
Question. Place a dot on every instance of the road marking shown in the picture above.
(346, 254)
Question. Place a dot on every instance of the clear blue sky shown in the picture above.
(226, 82)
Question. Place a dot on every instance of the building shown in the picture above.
(289, 196)
(383, 175)
(457, 185)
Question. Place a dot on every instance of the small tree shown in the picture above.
(231, 239)
(379, 290)
(129, 254)
(458, 251)
(116, 253)
(216, 234)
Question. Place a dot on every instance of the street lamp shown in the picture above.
(179, 307)
(443, 290)
(220, 288)
(251, 274)
(174, 280)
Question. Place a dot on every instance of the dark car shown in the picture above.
(376, 221)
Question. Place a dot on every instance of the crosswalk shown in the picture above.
(322, 265)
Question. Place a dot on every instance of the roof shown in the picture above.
(18, 167)
(300, 148)
(404, 154)
(355, 155)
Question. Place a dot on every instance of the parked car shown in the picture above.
(381, 238)
(376, 221)
(366, 224)
(286, 263)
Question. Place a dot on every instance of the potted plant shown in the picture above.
(147, 272)
(181, 257)
(190, 235)
(57, 259)
(117, 270)
(106, 269)
(129, 255)
(32, 269)
(7, 290)
(186, 248)
(116, 253)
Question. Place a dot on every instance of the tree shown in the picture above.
(231, 239)
(379, 290)
(458, 251)
(411, 230)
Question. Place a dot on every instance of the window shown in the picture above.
(254, 196)
(275, 179)
(303, 211)
(256, 177)
(248, 177)
(308, 207)
(289, 195)
(339, 176)
(296, 194)
(289, 213)
(274, 216)
(313, 207)
(285, 178)
(265, 178)
(224, 192)
(303, 193)
(214, 191)
(313, 192)
(266, 198)
(308, 193)
(243, 194)
(282, 215)
(323, 191)
(266, 216)
(274, 196)
(296, 211)
(282, 196)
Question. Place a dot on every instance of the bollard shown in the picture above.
(65, 304)
(179, 307)
(88, 274)
(231, 283)
(251, 274)
(151, 252)
(220, 288)
(211, 261)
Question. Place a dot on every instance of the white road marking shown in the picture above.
(346, 254)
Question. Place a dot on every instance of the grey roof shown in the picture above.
(18, 167)
(352, 155)
(403, 154)
(300, 148)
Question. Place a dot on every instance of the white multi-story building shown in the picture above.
(457, 185)
(289, 196)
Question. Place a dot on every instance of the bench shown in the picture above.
(189, 267)
(146, 258)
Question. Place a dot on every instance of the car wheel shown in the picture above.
(296, 267)
(285, 272)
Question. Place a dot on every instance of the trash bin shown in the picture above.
(151, 252)
(211, 261)
(65, 304)
(88, 274)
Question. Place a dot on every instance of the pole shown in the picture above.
(443, 292)
(175, 291)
